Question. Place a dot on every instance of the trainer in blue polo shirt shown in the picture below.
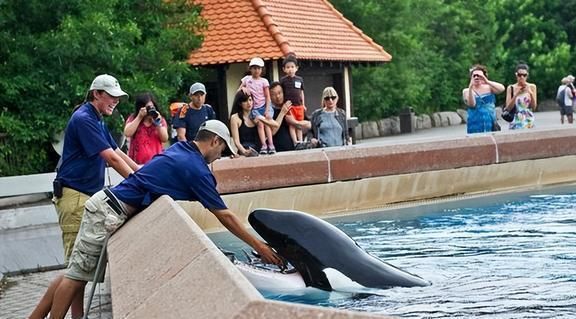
(82, 167)
(192, 180)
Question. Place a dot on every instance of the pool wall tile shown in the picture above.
(275, 309)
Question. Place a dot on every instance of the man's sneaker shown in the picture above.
(271, 151)
(264, 150)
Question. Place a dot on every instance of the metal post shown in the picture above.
(100, 268)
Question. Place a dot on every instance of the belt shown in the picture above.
(113, 202)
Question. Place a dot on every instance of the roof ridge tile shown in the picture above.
(317, 31)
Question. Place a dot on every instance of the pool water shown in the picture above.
(501, 256)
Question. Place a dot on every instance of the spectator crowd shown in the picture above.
(265, 117)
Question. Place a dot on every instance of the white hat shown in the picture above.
(197, 87)
(256, 62)
(219, 129)
(109, 84)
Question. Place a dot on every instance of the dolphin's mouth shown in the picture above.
(267, 277)
(253, 260)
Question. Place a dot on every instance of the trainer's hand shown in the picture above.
(268, 255)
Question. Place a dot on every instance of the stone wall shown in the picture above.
(316, 166)
(391, 126)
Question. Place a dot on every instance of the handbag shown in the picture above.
(508, 115)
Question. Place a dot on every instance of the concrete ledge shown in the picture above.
(163, 266)
(339, 198)
(369, 161)
(298, 168)
(316, 166)
(535, 144)
(266, 172)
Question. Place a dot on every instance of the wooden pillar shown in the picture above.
(222, 94)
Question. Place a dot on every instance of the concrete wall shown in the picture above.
(365, 161)
(163, 266)
(338, 181)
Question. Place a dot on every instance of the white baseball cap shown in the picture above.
(197, 87)
(219, 129)
(256, 62)
(109, 84)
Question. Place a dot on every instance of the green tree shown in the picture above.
(434, 42)
(539, 33)
(51, 51)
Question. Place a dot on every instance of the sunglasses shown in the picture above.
(330, 98)
(522, 75)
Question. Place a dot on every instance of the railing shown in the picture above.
(41, 183)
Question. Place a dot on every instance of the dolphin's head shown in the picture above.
(286, 232)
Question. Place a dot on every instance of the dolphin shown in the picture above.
(321, 252)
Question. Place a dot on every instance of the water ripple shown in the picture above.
(505, 256)
(489, 258)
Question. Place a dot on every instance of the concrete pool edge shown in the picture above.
(349, 197)
(338, 164)
(162, 265)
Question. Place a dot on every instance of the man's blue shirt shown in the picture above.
(191, 119)
(86, 136)
(180, 172)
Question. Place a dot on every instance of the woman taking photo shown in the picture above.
(146, 129)
(521, 99)
(480, 98)
(329, 127)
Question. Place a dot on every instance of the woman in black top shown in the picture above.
(244, 130)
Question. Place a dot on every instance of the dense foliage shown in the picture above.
(51, 50)
(434, 43)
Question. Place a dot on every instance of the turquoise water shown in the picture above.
(506, 256)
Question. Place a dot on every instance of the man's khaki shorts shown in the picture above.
(99, 221)
(70, 208)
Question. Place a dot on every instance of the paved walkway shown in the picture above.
(19, 294)
(544, 121)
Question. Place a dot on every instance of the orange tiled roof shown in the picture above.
(313, 29)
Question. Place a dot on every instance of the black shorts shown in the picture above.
(566, 110)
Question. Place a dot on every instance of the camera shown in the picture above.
(152, 112)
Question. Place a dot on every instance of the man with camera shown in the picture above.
(146, 129)
(190, 116)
